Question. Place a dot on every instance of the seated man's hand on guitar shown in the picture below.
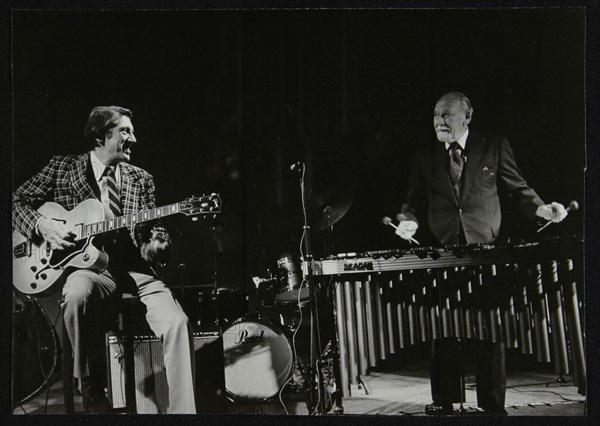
(406, 228)
(157, 250)
(55, 234)
(554, 212)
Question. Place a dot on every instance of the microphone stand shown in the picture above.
(218, 250)
(315, 394)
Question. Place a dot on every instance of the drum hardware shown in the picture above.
(326, 209)
(221, 308)
(315, 388)
(36, 350)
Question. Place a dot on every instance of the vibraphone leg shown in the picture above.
(360, 328)
(389, 299)
(338, 408)
(401, 314)
(351, 335)
(574, 326)
(559, 343)
(370, 319)
(381, 323)
(341, 334)
(539, 317)
(431, 300)
(523, 316)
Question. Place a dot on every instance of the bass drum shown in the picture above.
(258, 359)
(35, 350)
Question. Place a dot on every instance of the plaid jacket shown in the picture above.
(63, 180)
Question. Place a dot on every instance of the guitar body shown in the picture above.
(36, 267)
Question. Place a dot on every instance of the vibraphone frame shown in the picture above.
(524, 295)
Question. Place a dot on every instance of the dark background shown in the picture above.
(225, 101)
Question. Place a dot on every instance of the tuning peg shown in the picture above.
(195, 219)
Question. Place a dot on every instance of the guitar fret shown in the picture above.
(129, 220)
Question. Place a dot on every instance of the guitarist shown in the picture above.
(105, 173)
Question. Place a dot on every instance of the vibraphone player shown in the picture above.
(457, 184)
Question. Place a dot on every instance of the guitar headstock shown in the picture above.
(206, 204)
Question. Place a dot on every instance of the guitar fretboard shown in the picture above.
(115, 223)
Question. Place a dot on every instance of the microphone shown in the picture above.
(297, 167)
(573, 205)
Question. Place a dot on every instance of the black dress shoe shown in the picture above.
(94, 398)
(439, 409)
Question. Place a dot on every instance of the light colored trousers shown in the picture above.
(83, 295)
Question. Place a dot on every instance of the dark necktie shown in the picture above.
(457, 163)
(114, 200)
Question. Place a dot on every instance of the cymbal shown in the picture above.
(328, 208)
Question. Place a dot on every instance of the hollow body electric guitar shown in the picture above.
(37, 267)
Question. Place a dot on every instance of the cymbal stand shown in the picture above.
(314, 376)
(218, 250)
(332, 350)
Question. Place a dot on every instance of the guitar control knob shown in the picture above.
(34, 268)
(43, 276)
(86, 257)
(44, 261)
(33, 285)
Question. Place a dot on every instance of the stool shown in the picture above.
(124, 310)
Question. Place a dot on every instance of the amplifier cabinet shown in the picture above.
(152, 392)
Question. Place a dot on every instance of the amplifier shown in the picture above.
(152, 393)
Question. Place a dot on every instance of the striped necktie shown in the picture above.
(114, 199)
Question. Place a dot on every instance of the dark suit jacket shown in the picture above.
(490, 165)
(66, 181)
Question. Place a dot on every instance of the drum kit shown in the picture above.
(268, 351)
(263, 350)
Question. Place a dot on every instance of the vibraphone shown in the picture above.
(529, 296)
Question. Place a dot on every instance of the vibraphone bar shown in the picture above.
(529, 296)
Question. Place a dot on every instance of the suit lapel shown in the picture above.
(474, 151)
(79, 177)
(129, 189)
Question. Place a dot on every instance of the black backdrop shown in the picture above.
(225, 101)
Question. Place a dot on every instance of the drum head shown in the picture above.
(258, 359)
(292, 297)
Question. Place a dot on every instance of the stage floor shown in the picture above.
(392, 392)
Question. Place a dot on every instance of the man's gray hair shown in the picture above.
(458, 97)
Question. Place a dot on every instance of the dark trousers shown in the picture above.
(447, 371)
